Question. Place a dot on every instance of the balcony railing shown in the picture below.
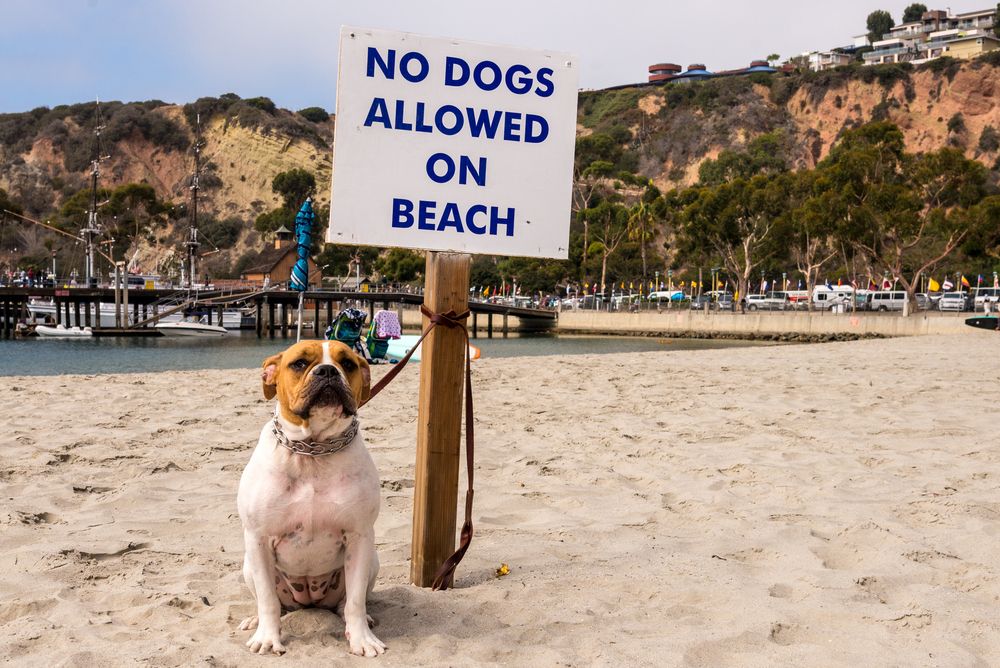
(877, 55)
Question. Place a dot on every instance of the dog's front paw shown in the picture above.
(249, 624)
(363, 641)
(262, 642)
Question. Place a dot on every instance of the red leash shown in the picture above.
(445, 576)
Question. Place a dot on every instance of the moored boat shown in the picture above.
(62, 332)
(190, 328)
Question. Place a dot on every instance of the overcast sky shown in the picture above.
(64, 51)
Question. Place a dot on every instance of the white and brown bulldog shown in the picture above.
(309, 497)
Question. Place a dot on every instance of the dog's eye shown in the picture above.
(348, 365)
(299, 365)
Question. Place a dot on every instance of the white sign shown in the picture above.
(448, 145)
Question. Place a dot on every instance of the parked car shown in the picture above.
(699, 302)
(953, 301)
(772, 301)
(983, 295)
(886, 300)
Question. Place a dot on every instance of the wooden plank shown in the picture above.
(439, 420)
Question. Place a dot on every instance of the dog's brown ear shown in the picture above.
(268, 376)
(366, 380)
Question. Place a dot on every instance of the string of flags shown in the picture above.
(512, 289)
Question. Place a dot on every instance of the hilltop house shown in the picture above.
(937, 33)
(826, 60)
(670, 72)
(273, 266)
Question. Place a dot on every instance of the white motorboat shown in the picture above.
(190, 328)
(40, 310)
(62, 332)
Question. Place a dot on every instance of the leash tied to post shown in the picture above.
(445, 575)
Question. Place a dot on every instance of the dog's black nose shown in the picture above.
(325, 371)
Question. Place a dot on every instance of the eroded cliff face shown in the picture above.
(674, 128)
(240, 161)
(664, 133)
(239, 164)
(922, 108)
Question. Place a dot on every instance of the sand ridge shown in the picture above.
(829, 504)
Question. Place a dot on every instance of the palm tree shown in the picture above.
(640, 228)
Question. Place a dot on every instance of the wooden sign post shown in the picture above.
(439, 421)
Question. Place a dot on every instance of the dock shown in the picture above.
(271, 313)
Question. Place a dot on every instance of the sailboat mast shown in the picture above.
(92, 230)
(192, 242)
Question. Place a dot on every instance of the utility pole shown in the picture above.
(92, 230)
(192, 242)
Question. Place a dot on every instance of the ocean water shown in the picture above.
(47, 357)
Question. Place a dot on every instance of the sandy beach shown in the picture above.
(813, 505)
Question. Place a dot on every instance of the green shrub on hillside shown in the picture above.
(598, 106)
(989, 140)
(258, 113)
(221, 233)
(314, 114)
(945, 65)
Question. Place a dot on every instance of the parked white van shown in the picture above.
(983, 295)
(886, 300)
(827, 297)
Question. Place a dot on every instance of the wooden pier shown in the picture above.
(274, 311)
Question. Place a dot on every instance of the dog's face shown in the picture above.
(313, 375)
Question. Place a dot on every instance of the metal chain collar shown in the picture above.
(314, 448)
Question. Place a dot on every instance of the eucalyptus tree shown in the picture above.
(813, 209)
(740, 222)
(905, 212)
(610, 224)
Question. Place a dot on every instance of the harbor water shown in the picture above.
(47, 357)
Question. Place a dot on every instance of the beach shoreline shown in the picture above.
(830, 504)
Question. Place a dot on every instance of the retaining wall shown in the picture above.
(799, 322)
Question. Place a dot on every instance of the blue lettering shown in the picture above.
(535, 137)
(388, 68)
(483, 122)
(466, 168)
(545, 87)
(496, 221)
(404, 67)
(451, 218)
(402, 212)
(523, 83)
(378, 113)
(511, 126)
(400, 123)
(420, 125)
(426, 213)
(471, 223)
(492, 67)
(450, 79)
(449, 166)
(439, 120)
